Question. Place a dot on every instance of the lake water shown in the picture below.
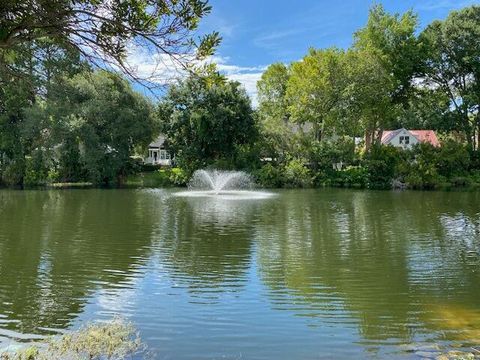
(306, 274)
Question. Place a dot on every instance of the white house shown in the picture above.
(157, 153)
(406, 139)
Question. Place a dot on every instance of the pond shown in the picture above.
(305, 274)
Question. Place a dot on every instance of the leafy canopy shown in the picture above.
(207, 121)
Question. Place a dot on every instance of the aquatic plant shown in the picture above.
(114, 340)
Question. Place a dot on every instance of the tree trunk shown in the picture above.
(368, 140)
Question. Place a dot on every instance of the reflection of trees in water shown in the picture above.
(57, 247)
(370, 253)
(206, 242)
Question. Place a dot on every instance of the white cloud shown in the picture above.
(162, 69)
(153, 67)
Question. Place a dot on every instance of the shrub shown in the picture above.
(423, 176)
(381, 162)
(453, 159)
(36, 171)
(53, 176)
(297, 174)
(475, 176)
(323, 155)
(178, 177)
(269, 176)
(13, 172)
(460, 181)
(354, 176)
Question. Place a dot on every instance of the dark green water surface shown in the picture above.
(306, 274)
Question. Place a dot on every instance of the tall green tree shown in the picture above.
(452, 66)
(38, 68)
(273, 113)
(207, 121)
(99, 121)
(314, 89)
(366, 105)
(392, 40)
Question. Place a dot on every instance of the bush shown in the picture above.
(453, 159)
(13, 172)
(475, 176)
(352, 176)
(423, 176)
(417, 168)
(178, 177)
(269, 176)
(460, 181)
(36, 171)
(297, 174)
(323, 155)
(381, 162)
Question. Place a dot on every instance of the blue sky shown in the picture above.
(257, 33)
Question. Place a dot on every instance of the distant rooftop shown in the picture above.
(425, 136)
(158, 142)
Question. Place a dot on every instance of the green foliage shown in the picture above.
(86, 123)
(380, 163)
(36, 170)
(178, 177)
(367, 106)
(207, 122)
(314, 88)
(277, 134)
(451, 66)
(326, 155)
(422, 175)
(105, 120)
(297, 174)
(164, 177)
(269, 176)
(165, 29)
(391, 39)
(427, 167)
(453, 159)
(351, 176)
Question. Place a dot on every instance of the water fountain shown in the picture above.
(230, 185)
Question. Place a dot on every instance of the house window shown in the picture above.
(163, 155)
(405, 140)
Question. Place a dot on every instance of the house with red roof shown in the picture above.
(406, 139)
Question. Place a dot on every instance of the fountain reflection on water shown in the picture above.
(228, 185)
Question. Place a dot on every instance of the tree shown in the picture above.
(391, 39)
(103, 31)
(100, 119)
(207, 121)
(314, 89)
(272, 89)
(366, 100)
(452, 66)
(274, 118)
(38, 69)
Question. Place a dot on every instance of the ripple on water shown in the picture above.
(295, 274)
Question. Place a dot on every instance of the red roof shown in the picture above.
(425, 136)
